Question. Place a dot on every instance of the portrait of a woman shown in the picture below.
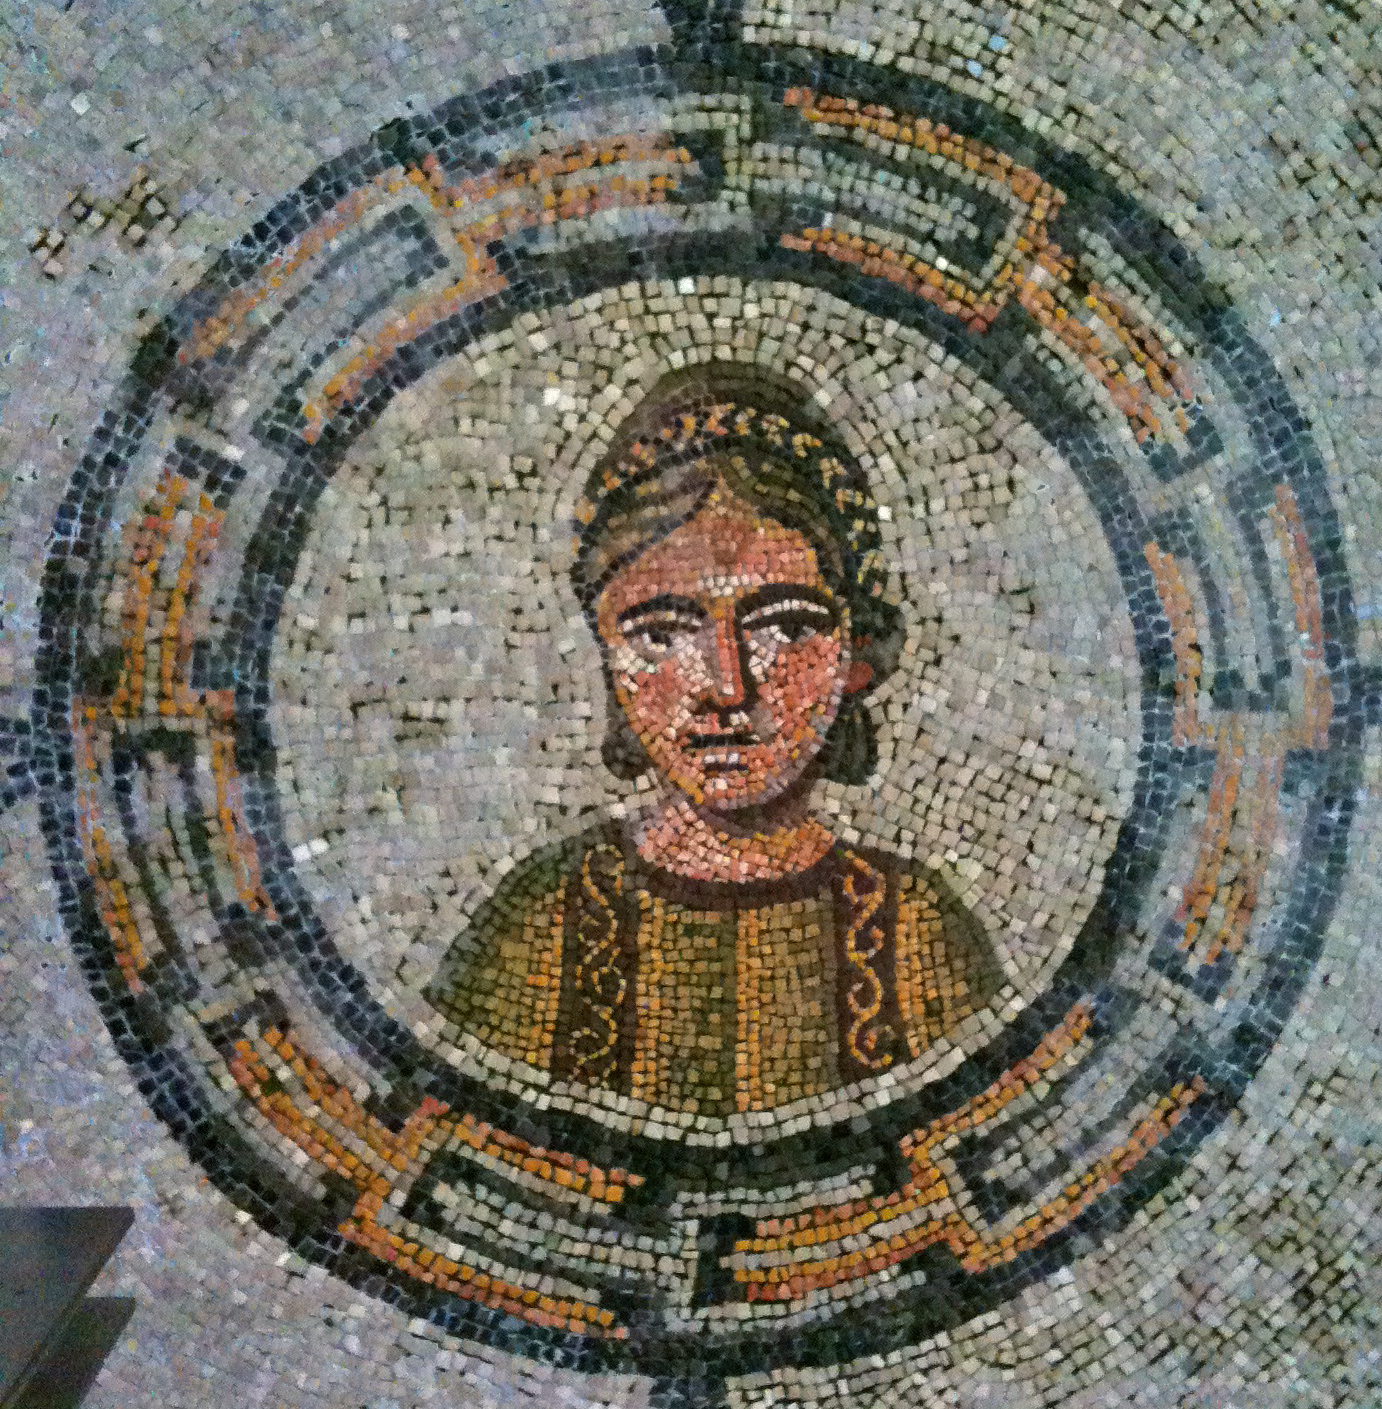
(721, 950)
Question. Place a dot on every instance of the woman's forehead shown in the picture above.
(728, 549)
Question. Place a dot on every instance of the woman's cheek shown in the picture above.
(810, 676)
(653, 698)
(633, 677)
(629, 667)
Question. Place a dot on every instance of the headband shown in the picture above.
(688, 434)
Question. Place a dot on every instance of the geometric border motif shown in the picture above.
(466, 220)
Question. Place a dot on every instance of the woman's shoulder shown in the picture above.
(505, 959)
(937, 935)
(915, 881)
(543, 874)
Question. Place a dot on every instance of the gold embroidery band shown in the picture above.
(867, 1040)
(598, 984)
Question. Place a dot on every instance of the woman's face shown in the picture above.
(729, 654)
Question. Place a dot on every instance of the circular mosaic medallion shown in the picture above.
(690, 715)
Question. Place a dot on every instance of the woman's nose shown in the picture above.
(728, 677)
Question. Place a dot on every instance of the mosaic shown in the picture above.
(572, 760)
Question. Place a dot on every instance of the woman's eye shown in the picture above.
(790, 628)
(658, 636)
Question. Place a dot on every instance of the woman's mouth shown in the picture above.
(722, 739)
(721, 750)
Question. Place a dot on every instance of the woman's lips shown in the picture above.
(734, 738)
(720, 751)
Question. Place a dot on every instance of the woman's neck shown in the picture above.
(742, 846)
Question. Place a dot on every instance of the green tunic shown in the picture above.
(714, 997)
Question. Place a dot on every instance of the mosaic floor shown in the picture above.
(690, 697)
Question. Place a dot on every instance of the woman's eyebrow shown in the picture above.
(778, 592)
(663, 602)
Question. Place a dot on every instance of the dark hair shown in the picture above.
(758, 435)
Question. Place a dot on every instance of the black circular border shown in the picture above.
(705, 55)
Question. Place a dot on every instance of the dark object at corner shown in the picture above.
(53, 1337)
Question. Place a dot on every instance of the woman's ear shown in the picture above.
(860, 673)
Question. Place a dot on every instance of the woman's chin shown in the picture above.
(716, 799)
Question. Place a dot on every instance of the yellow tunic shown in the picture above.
(713, 997)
